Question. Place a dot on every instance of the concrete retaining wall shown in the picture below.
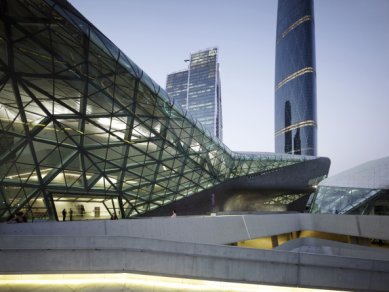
(56, 254)
(191, 247)
(211, 229)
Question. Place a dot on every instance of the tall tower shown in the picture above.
(295, 79)
(197, 90)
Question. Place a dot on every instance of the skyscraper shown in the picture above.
(197, 90)
(295, 79)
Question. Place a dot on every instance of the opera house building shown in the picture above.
(86, 135)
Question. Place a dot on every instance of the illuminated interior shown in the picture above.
(81, 124)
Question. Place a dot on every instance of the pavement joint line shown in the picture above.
(245, 225)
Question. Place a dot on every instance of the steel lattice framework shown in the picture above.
(79, 118)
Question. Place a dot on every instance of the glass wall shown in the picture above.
(80, 122)
(200, 93)
(295, 79)
(177, 88)
(341, 200)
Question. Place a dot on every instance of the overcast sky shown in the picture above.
(352, 60)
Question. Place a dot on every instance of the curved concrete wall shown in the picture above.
(191, 247)
(211, 229)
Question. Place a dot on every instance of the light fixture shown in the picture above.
(138, 280)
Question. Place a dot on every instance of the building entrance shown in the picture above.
(75, 208)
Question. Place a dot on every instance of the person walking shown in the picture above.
(71, 214)
(64, 214)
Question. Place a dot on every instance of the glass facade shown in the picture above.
(82, 123)
(200, 93)
(177, 88)
(341, 200)
(363, 189)
(295, 79)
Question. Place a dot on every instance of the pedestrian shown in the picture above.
(71, 214)
(63, 214)
(174, 215)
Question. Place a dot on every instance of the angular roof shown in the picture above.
(373, 174)
(78, 118)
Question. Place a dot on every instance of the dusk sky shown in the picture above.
(352, 64)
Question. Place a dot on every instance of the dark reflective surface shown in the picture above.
(295, 79)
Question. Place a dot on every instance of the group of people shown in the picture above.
(80, 211)
(19, 217)
(64, 213)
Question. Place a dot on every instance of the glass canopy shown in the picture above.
(78, 119)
